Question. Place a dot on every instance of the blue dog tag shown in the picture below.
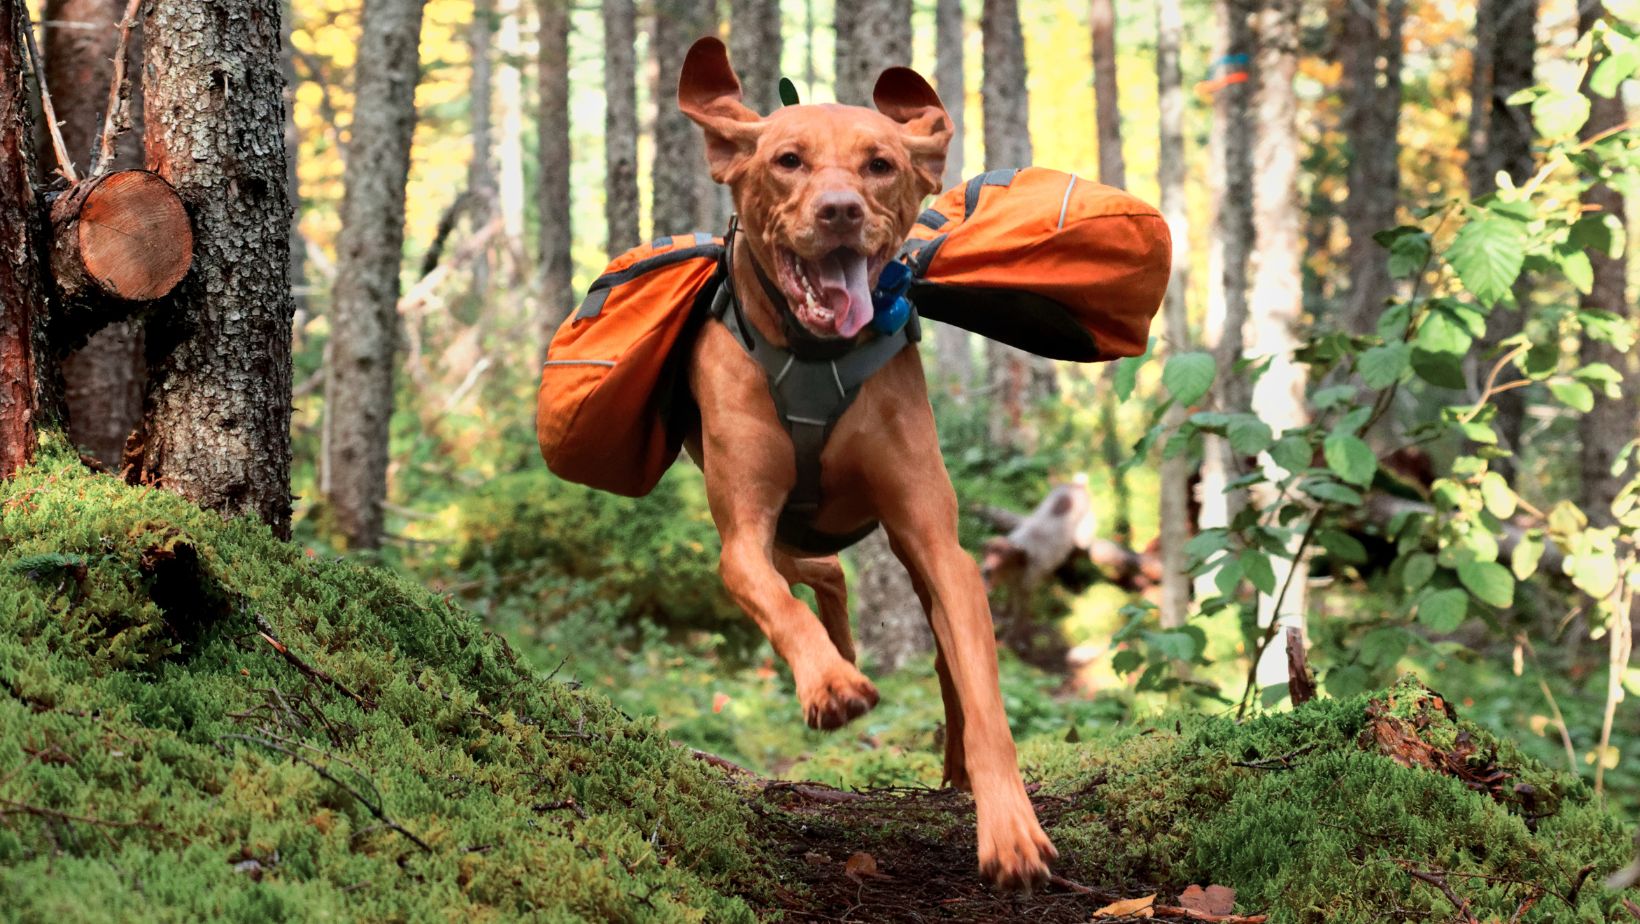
(890, 308)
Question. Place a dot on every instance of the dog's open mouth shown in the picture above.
(831, 295)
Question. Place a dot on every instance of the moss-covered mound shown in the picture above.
(198, 722)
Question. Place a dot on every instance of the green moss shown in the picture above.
(1304, 815)
(145, 720)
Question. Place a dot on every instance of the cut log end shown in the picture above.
(124, 235)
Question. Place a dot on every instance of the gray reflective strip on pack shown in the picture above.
(1066, 202)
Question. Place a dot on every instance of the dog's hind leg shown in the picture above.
(825, 577)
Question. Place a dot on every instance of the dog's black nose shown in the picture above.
(840, 211)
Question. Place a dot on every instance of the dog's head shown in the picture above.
(825, 193)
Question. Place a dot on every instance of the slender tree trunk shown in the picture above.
(953, 346)
(302, 305)
(370, 250)
(893, 627)
(1107, 108)
(620, 125)
(682, 201)
(102, 380)
(871, 35)
(754, 46)
(23, 298)
(509, 147)
(1500, 140)
(809, 77)
(1277, 299)
(217, 408)
(1231, 178)
(1372, 117)
(481, 184)
(553, 160)
(1017, 379)
(1170, 159)
(1612, 421)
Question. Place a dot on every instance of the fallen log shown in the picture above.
(123, 235)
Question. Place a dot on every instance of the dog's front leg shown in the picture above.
(1013, 849)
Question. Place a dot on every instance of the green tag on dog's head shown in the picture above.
(788, 92)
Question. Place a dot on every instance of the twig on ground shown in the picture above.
(722, 763)
(268, 636)
(1439, 882)
(569, 804)
(1279, 762)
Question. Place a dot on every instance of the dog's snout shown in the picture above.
(840, 211)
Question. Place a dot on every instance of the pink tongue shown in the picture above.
(845, 290)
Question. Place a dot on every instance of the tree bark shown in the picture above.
(370, 248)
(620, 126)
(1107, 108)
(481, 185)
(553, 160)
(1170, 160)
(754, 46)
(1612, 421)
(24, 304)
(1500, 140)
(871, 35)
(217, 404)
(682, 200)
(953, 346)
(293, 187)
(893, 627)
(509, 147)
(104, 378)
(1231, 179)
(1372, 117)
(1017, 379)
(1277, 298)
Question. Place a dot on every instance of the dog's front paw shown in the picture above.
(1014, 851)
(836, 696)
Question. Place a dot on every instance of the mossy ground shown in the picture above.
(162, 759)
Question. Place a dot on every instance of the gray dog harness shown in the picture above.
(812, 388)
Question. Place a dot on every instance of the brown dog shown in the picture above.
(825, 195)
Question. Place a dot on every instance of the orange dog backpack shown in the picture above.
(1044, 261)
(613, 407)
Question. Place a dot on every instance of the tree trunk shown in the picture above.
(217, 406)
(553, 160)
(293, 188)
(1231, 179)
(1500, 140)
(481, 185)
(104, 378)
(893, 627)
(754, 47)
(23, 299)
(1017, 379)
(681, 198)
(1612, 421)
(620, 126)
(953, 346)
(871, 35)
(370, 249)
(1277, 299)
(1170, 160)
(509, 147)
(1372, 117)
(1107, 108)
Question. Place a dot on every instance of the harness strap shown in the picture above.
(810, 395)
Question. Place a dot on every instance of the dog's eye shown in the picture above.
(880, 166)
(789, 161)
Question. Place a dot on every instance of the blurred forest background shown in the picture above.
(1390, 404)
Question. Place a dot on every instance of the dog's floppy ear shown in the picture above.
(709, 93)
(904, 96)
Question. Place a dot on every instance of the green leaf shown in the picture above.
(1292, 453)
(1202, 545)
(1595, 575)
(1610, 73)
(1488, 581)
(1249, 436)
(1342, 546)
(1487, 255)
(1127, 371)
(1408, 255)
(1419, 568)
(1573, 394)
(1523, 562)
(1444, 610)
(1350, 458)
(788, 92)
(1383, 647)
(1560, 113)
(1443, 332)
(1255, 566)
(1382, 366)
(1443, 369)
(1579, 271)
(1177, 644)
(1331, 491)
(1500, 501)
(1126, 661)
(1188, 376)
(1228, 576)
